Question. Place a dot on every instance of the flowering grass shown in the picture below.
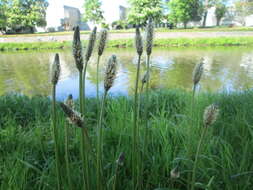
(225, 161)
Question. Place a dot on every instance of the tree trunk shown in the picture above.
(185, 25)
(204, 19)
(218, 21)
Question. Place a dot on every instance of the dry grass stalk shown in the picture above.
(56, 69)
(110, 73)
(77, 49)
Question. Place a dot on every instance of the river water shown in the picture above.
(225, 69)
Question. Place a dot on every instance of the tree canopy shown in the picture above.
(23, 13)
(142, 10)
(93, 11)
(185, 11)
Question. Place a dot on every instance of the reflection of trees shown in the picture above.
(28, 73)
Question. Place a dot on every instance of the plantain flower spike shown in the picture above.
(197, 72)
(91, 44)
(73, 116)
(149, 36)
(138, 41)
(120, 161)
(77, 49)
(102, 41)
(55, 70)
(175, 173)
(211, 114)
(110, 73)
(69, 101)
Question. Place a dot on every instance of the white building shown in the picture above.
(249, 20)
(61, 10)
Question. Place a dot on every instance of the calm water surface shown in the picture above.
(226, 69)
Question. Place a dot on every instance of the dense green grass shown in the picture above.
(210, 29)
(27, 151)
(173, 42)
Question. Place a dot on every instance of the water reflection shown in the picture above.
(229, 68)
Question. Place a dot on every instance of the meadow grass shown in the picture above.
(225, 161)
(123, 43)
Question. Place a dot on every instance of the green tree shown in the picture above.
(26, 13)
(184, 11)
(243, 8)
(3, 19)
(93, 11)
(220, 12)
(142, 10)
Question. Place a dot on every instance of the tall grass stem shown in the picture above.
(55, 136)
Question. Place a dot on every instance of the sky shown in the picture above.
(79, 3)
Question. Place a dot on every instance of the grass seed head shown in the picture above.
(149, 36)
(138, 41)
(73, 116)
(91, 44)
(175, 173)
(110, 73)
(211, 114)
(102, 41)
(77, 49)
(197, 73)
(69, 101)
(120, 161)
(55, 70)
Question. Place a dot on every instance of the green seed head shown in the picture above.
(102, 41)
(91, 44)
(77, 49)
(110, 73)
(138, 41)
(55, 70)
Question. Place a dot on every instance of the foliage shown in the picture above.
(3, 18)
(243, 8)
(220, 12)
(93, 11)
(120, 24)
(27, 151)
(26, 13)
(142, 10)
(183, 11)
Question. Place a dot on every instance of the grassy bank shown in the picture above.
(225, 162)
(176, 42)
(210, 29)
